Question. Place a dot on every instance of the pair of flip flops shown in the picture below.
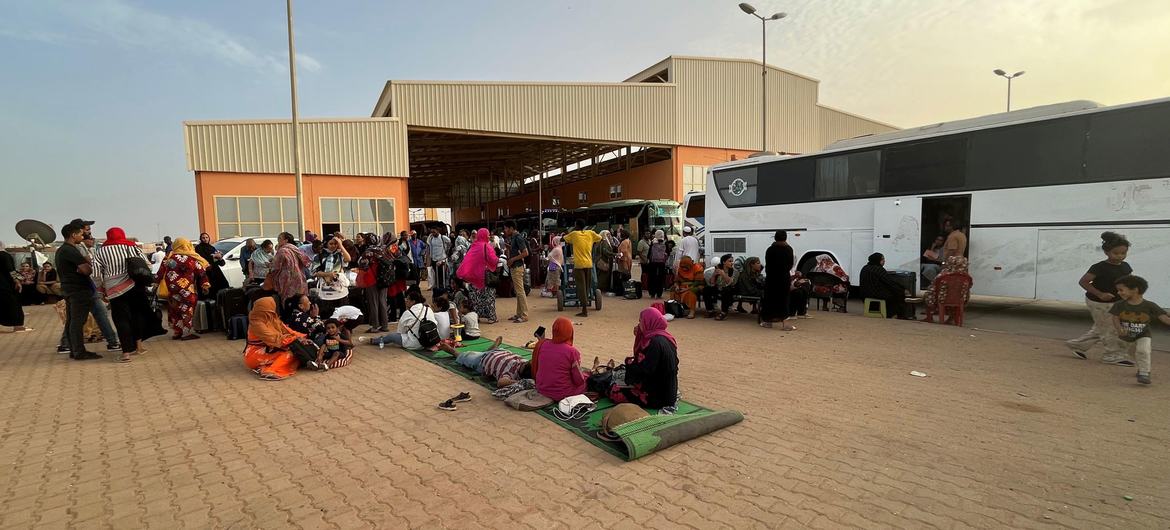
(450, 403)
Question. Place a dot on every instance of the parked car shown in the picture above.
(231, 247)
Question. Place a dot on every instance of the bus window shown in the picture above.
(926, 166)
(848, 175)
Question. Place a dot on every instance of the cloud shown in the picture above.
(33, 35)
(138, 27)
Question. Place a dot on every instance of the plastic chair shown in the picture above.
(958, 288)
(880, 312)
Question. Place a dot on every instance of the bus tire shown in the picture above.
(597, 299)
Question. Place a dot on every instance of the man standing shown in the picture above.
(517, 252)
(167, 244)
(582, 241)
(956, 244)
(439, 246)
(98, 306)
(689, 245)
(156, 259)
(418, 253)
(73, 271)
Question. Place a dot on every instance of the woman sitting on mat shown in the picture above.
(651, 378)
(268, 352)
(559, 364)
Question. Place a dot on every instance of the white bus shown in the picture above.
(1035, 189)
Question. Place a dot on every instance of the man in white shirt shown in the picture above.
(689, 244)
(408, 324)
(438, 246)
(156, 259)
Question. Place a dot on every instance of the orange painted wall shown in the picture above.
(208, 184)
(701, 156)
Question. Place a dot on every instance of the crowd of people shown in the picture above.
(304, 297)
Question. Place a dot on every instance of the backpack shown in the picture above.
(658, 252)
(426, 331)
(237, 327)
(385, 276)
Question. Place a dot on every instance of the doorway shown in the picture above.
(937, 214)
(328, 229)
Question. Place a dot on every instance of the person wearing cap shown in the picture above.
(689, 244)
(101, 314)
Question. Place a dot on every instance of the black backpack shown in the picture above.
(385, 276)
(426, 331)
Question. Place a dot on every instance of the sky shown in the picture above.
(93, 93)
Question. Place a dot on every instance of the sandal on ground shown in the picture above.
(520, 320)
(721, 316)
(788, 328)
(530, 345)
(448, 405)
(124, 358)
(463, 397)
(25, 330)
(765, 324)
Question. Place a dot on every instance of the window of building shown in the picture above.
(582, 198)
(615, 192)
(358, 215)
(255, 216)
(556, 201)
(849, 175)
(694, 179)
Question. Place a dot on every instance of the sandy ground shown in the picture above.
(1007, 430)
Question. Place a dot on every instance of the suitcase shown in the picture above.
(633, 290)
(237, 327)
(206, 317)
(231, 302)
(199, 318)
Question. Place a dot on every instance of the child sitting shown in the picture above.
(470, 320)
(1132, 316)
(335, 349)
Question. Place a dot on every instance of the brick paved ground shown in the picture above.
(1007, 431)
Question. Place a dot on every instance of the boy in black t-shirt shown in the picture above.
(1132, 317)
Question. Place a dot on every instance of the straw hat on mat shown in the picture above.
(616, 417)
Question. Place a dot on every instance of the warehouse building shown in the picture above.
(493, 149)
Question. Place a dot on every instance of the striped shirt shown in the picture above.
(109, 268)
(501, 363)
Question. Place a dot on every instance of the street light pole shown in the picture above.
(1009, 78)
(296, 152)
(747, 8)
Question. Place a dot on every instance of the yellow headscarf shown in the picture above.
(183, 247)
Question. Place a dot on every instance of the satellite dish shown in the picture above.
(36, 232)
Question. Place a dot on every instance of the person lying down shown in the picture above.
(505, 367)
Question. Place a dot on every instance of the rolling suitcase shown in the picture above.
(237, 327)
(199, 319)
(231, 302)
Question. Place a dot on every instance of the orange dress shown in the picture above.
(277, 363)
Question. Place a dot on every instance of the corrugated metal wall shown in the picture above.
(622, 113)
(836, 125)
(359, 147)
(719, 106)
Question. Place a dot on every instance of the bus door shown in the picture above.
(897, 232)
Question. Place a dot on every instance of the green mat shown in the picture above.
(638, 438)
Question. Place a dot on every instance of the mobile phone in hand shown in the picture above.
(539, 332)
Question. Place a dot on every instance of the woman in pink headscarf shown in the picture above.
(652, 372)
(480, 259)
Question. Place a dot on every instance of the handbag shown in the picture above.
(139, 270)
(490, 278)
(574, 407)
